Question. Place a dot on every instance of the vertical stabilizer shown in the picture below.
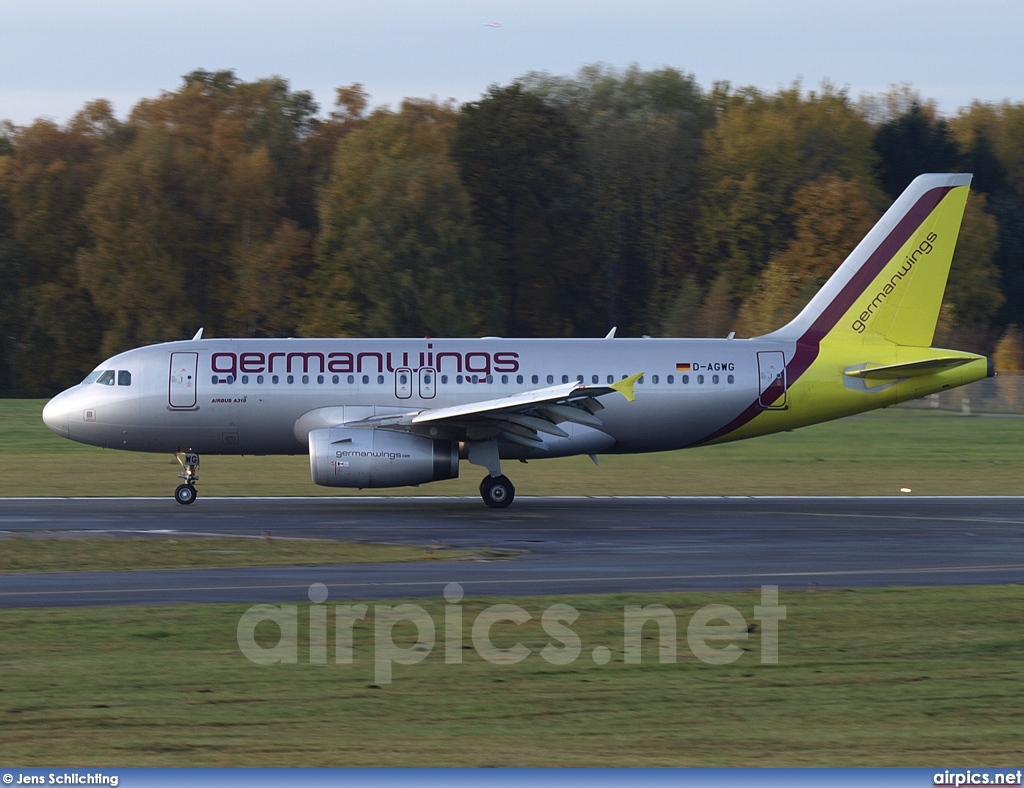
(890, 288)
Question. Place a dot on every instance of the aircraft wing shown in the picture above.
(519, 417)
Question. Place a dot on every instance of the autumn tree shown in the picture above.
(398, 254)
(763, 149)
(641, 134)
(50, 326)
(991, 137)
(519, 158)
(913, 143)
(972, 291)
(206, 217)
(829, 216)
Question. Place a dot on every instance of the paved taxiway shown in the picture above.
(556, 545)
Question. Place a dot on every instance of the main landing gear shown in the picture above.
(186, 493)
(497, 491)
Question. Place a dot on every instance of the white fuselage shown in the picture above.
(262, 396)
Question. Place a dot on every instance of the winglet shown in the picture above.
(625, 386)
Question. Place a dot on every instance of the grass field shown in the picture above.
(885, 677)
(889, 677)
(875, 454)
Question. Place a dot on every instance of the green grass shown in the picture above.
(888, 677)
(116, 555)
(875, 454)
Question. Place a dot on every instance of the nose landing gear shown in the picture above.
(186, 493)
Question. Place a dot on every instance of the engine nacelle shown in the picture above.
(365, 457)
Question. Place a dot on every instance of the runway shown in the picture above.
(544, 545)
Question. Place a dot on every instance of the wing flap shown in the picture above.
(563, 393)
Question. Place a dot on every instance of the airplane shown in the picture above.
(394, 412)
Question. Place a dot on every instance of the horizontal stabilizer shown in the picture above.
(910, 369)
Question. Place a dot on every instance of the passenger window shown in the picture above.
(305, 378)
(259, 378)
(351, 379)
(275, 379)
(245, 379)
(458, 379)
(670, 379)
(504, 378)
(335, 380)
(534, 379)
(124, 377)
(291, 379)
(444, 378)
(565, 378)
(380, 379)
(551, 378)
(366, 379)
(106, 378)
(654, 378)
(319, 378)
(700, 378)
(611, 378)
(593, 379)
(731, 379)
(519, 378)
(714, 378)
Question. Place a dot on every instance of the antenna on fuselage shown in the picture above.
(611, 334)
(199, 334)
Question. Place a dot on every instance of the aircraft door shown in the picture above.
(403, 383)
(771, 370)
(182, 383)
(428, 382)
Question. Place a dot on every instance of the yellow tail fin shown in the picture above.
(890, 288)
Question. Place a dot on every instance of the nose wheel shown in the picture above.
(497, 491)
(186, 493)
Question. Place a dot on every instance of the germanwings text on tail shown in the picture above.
(395, 412)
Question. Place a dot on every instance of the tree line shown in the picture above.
(552, 206)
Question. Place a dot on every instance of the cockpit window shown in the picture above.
(124, 377)
(106, 378)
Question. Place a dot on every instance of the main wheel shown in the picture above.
(497, 491)
(185, 494)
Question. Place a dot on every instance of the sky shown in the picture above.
(57, 54)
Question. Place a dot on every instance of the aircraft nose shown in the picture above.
(55, 414)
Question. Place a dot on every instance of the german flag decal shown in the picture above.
(682, 367)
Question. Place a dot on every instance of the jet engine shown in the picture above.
(366, 457)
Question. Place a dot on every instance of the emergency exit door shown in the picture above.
(428, 382)
(403, 383)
